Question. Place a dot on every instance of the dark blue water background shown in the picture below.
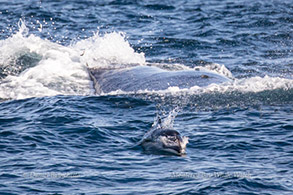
(57, 136)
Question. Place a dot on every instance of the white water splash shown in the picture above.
(165, 120)
(62, 69)
(102, 51)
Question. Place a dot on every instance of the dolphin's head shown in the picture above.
(166, 140)
(172, 141)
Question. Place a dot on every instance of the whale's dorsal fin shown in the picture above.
(96, 74)
(95, 83)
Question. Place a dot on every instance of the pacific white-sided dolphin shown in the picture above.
(150, 78)
(164, 140)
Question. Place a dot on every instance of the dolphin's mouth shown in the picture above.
(176, 149)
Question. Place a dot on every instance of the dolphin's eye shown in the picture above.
(172, 138)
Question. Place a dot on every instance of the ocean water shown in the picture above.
(58, 137)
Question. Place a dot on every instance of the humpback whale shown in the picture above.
(150, 78)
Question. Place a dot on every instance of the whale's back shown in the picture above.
(150, 78)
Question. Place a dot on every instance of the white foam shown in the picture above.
(101, 51)
(257, 84)
(62, 69)
(58, 72)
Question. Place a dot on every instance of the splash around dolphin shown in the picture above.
(150, 78)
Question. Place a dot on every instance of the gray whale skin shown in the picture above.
(151, 78)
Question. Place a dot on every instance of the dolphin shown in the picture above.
(150, 78)
(162, 140)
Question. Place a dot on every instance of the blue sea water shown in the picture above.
(58, 137)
